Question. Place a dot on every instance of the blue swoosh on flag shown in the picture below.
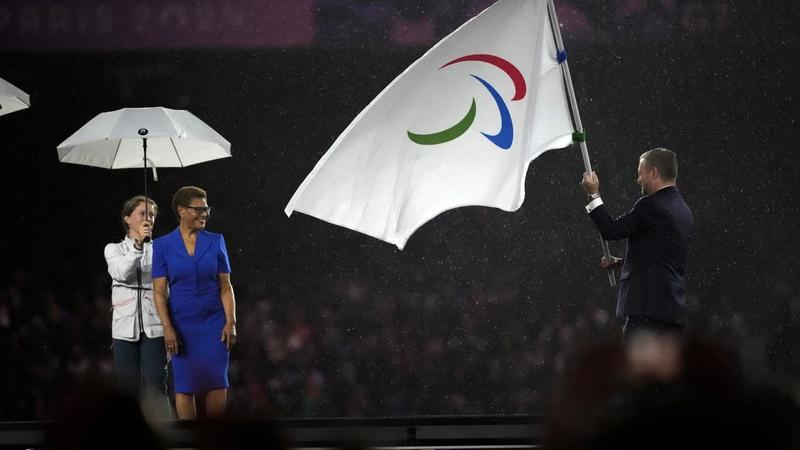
(505, 137)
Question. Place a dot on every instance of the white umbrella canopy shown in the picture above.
(114, 140)
(12, 98)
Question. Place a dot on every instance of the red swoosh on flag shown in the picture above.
(511, 70)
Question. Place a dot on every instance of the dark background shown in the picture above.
(479, 311)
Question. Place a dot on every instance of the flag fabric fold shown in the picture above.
(458, 127)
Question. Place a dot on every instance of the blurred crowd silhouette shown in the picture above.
(666, 392)
(728, 384)
(352, 351)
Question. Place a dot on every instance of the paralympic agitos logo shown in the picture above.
(502, 139)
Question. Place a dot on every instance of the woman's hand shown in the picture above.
(144, 234)
(228, 335)
(229, 305)
(170, 341)
(146, 230)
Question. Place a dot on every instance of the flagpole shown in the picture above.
(579, 134)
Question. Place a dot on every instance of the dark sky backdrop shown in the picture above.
(725, 101)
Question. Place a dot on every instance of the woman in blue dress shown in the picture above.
(199, 317)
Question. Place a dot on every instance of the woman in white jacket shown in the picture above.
(138, 337)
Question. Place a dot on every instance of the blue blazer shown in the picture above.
(659, 229)
(190, 276)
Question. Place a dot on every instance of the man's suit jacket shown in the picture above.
(659, 229)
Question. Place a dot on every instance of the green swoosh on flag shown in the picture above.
(446, 135)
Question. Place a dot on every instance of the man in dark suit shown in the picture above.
(659, 228)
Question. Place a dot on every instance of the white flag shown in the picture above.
(457, 128)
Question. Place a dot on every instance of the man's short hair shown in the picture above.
(664, 160)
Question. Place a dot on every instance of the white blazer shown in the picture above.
(128, 319)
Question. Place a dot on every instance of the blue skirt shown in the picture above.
(202, 360)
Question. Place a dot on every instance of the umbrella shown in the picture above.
(12, 98)
(118, 140)
(130, 138)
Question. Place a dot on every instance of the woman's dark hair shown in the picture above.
(184, 196)
(130, 206)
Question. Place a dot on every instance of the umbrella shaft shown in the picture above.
(144, 160)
